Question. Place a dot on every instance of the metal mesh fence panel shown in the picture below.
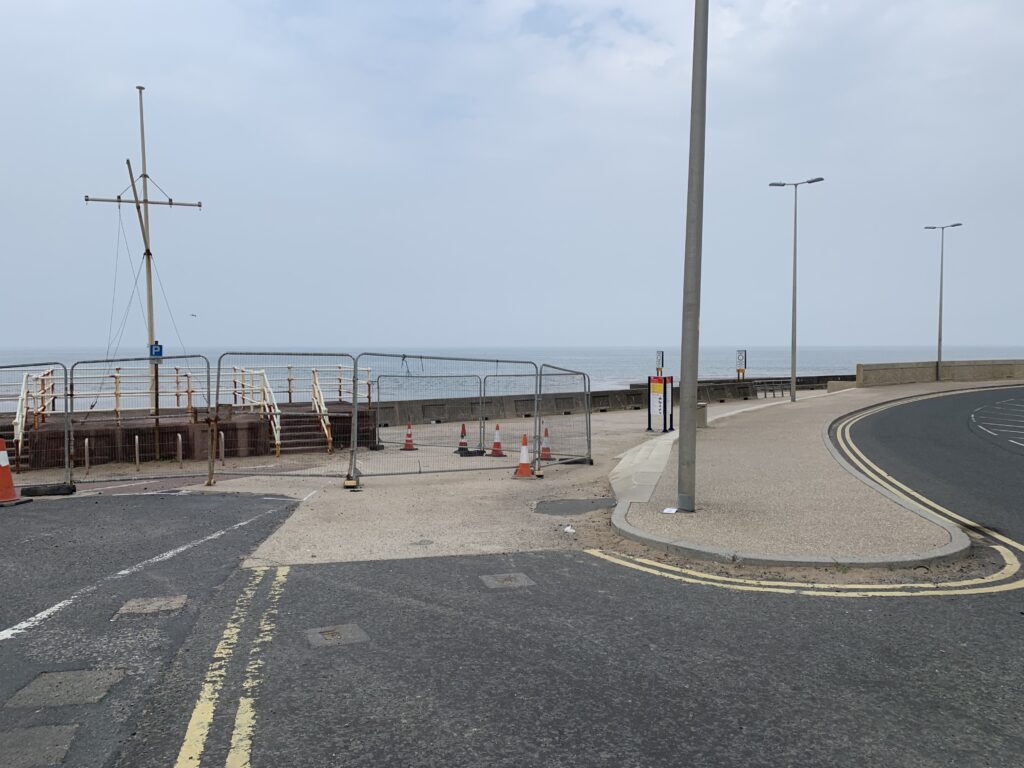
(33, 423)
(418, 406)
(287, 412)
(564, 415)
(132, 416)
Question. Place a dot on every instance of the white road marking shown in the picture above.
(988, 430)
(1000, 429)
(1016, 443)
(310, 495)
(42, 616)
(997, 414)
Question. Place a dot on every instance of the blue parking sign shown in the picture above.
(156, 350)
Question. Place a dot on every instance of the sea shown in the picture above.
(612, 367)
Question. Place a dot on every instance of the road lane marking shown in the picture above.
(194, 743)
(42, 616)
(240, 752)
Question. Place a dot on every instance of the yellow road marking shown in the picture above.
(993, 583)
(202, 714)
(245, 717)
(805, 590)
(1009, 569)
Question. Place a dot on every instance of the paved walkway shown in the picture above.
(769, 490)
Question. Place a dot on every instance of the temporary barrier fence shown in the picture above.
(299, 413)
(414, 425)
(287, 412)
(564, 416)
(140, 416)
(34, 421)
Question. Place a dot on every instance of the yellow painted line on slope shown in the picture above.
(245, 717)
(194, 743)
(830, 590)
(1011, 567)
(675, 577)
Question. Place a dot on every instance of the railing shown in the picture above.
(290, 382)
(129, 383)
(251, 389)
(19, 418)
(38, 402)
(320, 408)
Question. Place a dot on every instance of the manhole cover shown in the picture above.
(508, 580)
(572, 506)
(340, 634)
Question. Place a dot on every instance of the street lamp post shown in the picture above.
(942, 264)
(689, 352)
(792, 352)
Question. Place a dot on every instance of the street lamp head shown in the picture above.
(931, 227)
(815, 180)
(777, 184)
(958, 224)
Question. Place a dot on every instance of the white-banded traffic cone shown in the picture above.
(463, 444)
(408, 439)
(524, 470)
(8, 496)
(496, 448)
(545, 447)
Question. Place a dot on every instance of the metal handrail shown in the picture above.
(20, 414)
(320, 407)
(273, 413)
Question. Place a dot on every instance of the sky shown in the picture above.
(510, 172)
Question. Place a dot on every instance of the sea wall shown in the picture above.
(882, 374)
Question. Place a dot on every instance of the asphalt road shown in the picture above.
(535, 659)
(81, 559)
(937, 448)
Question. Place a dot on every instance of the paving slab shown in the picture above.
(37, 746)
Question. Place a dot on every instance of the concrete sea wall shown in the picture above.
(881, 374)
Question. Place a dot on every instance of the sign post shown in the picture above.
(741, 363)
(659, 361)
(659, 402)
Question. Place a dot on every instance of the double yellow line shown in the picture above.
(1007, 578)
(194, 741)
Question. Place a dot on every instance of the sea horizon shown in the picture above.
(608, 366)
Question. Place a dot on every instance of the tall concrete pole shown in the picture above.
(942, 267)
(792, 350)
(689, 351)
(792, 343)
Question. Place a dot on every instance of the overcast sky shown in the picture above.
(509, 172)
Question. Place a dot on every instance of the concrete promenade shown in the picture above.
(771, 491)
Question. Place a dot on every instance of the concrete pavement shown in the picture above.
(771, 491)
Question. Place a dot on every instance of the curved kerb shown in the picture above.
(957, 547)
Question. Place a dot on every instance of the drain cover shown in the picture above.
(508, 580)
(339, 634)
(572, 506)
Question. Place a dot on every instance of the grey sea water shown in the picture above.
(613, 367)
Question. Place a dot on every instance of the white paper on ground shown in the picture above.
(670, 510)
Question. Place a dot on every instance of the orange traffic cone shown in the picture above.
(408, 439)
(8, 496)
(523, 470)
(496, 448)
(545, 447)
(463, 445)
